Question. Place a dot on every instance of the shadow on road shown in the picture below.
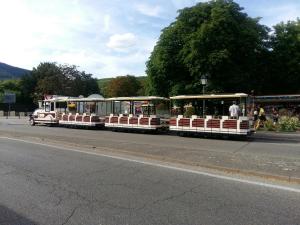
(9, 217)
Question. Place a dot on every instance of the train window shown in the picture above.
(47, 107)
(52, 106)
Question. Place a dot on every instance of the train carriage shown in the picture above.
(208, 114)
(83, 112)
(138, 113)
(71, 111)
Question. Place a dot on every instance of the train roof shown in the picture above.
(137, 98)
(57, 99)
(210, 96)
(75, 99)
(86, 99)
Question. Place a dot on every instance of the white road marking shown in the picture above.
(144, 162)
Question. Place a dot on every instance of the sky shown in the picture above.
(106, 38)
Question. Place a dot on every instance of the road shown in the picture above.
(49, 185)
(277, 159)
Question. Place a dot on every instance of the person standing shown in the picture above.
(255, 114)
(261, 117)
(275, 116)
(234, 110)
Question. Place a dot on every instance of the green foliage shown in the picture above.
(284, 73)
(288, 123)
(9, 85)
(102, 84)
(270, 126)
(50, 78)
(123, 86)
(189, 112)
(214, 38)
(284, 112)
(143, 86)
(13, 86)
(109, 86)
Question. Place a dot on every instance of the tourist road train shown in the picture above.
(184, 114)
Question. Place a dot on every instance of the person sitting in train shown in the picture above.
(234, 110)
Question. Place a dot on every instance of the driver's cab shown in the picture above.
(47, 108)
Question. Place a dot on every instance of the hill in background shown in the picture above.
(11, 72)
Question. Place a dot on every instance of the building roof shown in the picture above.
(278, 98)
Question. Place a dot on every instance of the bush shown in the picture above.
(270, 126)
(189, 112)
(283, 112)
(288, 123)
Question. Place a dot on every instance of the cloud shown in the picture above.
(106, 38)
(149, 10)
(179, 4)
(106, 21)
(276, 14)
(121, 42)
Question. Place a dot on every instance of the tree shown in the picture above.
(50, 78)
(123, 86)
(10, 86)
(284, 74)
(214, 38)
(78, 82)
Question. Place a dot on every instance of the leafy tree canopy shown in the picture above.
(50, 78)
(123, 86)
(12, 86)
(284, 74)
(214, 38)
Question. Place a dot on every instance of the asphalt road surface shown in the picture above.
(48, 185)
(266, 156)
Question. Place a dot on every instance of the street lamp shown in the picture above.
(204, 83)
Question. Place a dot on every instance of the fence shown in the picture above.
(14, 114)
(16, 110)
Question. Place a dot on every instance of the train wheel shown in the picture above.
(31, 122)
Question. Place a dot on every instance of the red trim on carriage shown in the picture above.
(172, 122)
(95, 119)
(185, 122)
(144, 121)
(124, 120)
(244, 124)
(133, 120)
(213, 123)
(198, 123)
(230, 124)
(155, 121)
(86, 119)
(114, 119)
(79, 118)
